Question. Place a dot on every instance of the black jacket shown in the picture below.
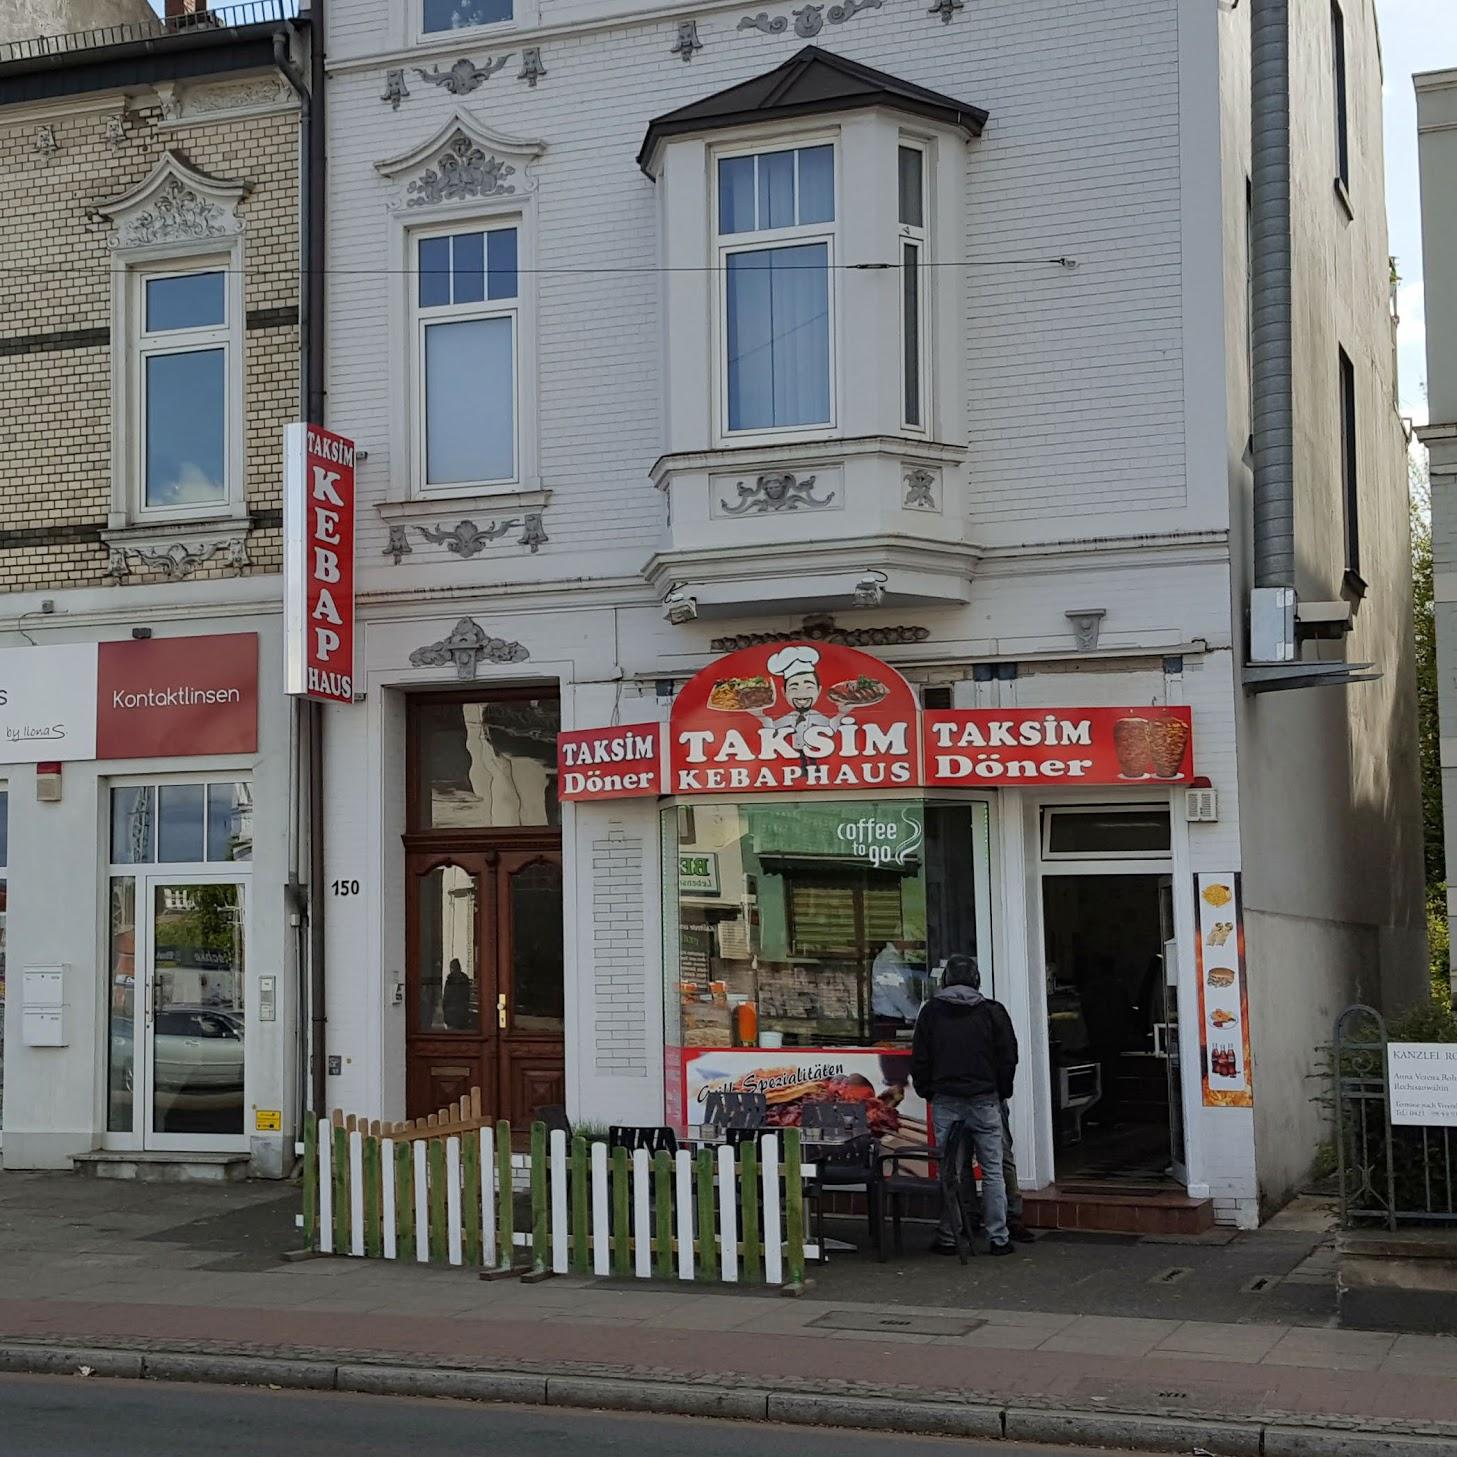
(963, 1049)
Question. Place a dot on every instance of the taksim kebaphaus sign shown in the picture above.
(318, 564)
(155, 698)
(791, 717)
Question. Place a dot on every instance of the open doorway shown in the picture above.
(1112, 1028)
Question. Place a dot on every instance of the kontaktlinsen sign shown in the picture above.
(318, 564)
(797, 716)
(150, 698)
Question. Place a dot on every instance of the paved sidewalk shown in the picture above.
(173, 1268)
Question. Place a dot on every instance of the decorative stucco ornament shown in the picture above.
(785, 492)
(467, 647)
(532, 68)
(466, 539)
(395, 90)
(463, 171)
(687, 41)
(465, 76)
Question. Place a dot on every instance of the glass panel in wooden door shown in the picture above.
(197, 1034)
(530, 1010)
(450, 984)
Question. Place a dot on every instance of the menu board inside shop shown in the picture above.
(1224, 1004)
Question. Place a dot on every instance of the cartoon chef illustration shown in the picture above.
(797, 667)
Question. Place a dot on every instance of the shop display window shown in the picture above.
(819, 925)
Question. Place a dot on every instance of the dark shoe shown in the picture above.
(1020, 1234)
(1005, 1248)
(939, 1249)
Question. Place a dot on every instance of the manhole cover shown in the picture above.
(893, 1324)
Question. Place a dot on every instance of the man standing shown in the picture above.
(963, 1062)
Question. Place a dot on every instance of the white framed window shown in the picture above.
(186, 372)
(466, 306)
(775, 225)
(912, 206)
(444, 15)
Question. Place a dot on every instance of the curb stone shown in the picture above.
(602, 1393)
(240, 1371)
(1151, 1434)
(503, 1386)
(945, 1419)
(1174, 1434)
(1308, 1442)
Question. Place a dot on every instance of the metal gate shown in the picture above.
(1388, 1175)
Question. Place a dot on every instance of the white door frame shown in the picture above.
(142, 1137)
(1032, 1118)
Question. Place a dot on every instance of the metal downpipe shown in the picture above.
(1273, 528)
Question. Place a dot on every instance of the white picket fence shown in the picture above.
(732, 1215)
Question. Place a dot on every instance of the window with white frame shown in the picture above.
(776, 241)
(438, 15)
(911, 202)
(187, 359)
(467, 348)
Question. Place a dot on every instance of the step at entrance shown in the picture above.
(1101, 1210)
(163, 1168)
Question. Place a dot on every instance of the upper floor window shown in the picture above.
(1338, 79)
(911, 215)
(776, 240)
(184, 361)
(437, 15)
(1350, 473)
(467, 346)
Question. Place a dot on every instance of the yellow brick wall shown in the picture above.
(56, 274)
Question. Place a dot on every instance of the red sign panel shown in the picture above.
(175, 696)
(794, 716)
(622, 762)
(1058, 746)
(319, 564)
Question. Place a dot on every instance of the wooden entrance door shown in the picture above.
(484, 979)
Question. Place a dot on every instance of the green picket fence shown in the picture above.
(733, 1215)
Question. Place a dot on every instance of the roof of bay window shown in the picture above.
(811, 83)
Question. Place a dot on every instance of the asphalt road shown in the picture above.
(86, 1418)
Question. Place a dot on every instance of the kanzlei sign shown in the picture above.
(318, 564)
(793, 716)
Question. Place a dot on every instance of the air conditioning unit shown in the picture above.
(1201, 806)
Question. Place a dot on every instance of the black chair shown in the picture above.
(723, 1109)
(845, 1156)
(897, 1184)
(555, 1118)
(633, 1137)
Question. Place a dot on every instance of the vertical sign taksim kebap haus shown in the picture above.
(318, 564)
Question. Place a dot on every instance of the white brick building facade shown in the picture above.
(1087, 389)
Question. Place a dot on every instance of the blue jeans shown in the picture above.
(983, 1116)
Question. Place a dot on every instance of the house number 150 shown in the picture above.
(346, 887)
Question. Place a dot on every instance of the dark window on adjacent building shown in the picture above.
(1338, 77)
(1350, 481)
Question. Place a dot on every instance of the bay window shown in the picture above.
(467, 357)
(776, 238)
(911, 216)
